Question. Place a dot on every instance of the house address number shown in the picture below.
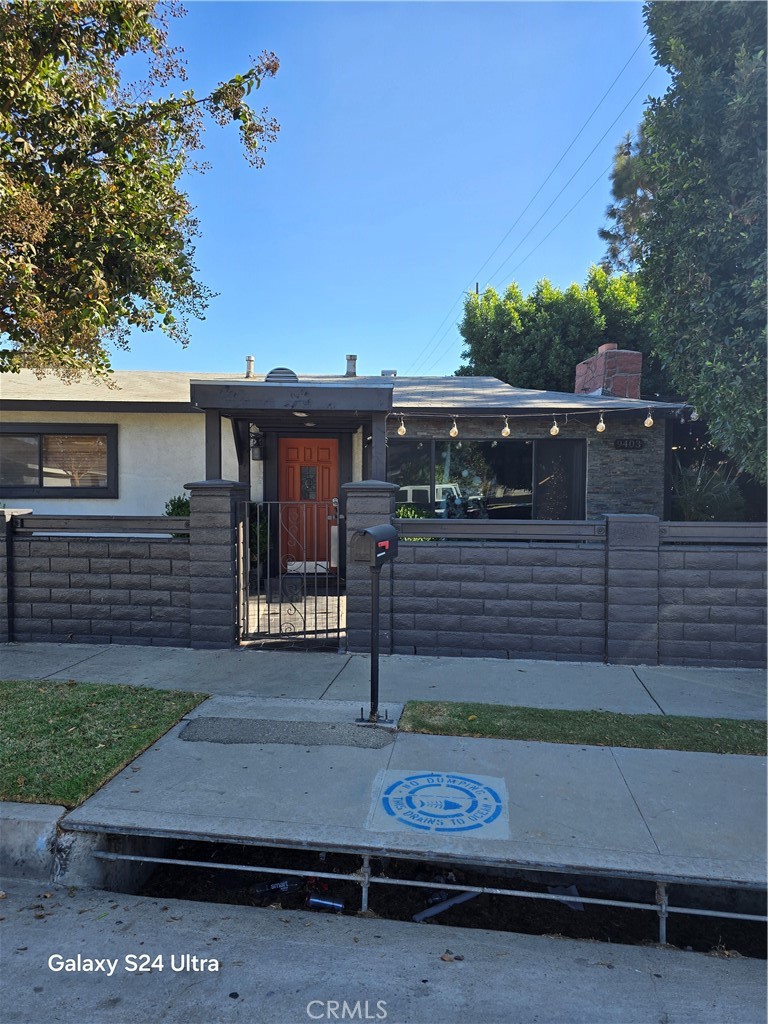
(629, 444)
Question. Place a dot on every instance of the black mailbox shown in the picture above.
(374, 545)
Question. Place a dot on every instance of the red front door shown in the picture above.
(308, 481)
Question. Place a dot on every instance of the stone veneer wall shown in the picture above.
(617, 481)
(126, 590)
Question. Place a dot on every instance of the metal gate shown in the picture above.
(291, 587)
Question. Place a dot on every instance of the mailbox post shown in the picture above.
(374, 546)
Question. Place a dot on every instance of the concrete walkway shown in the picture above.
(273, 758)
(284, 968)
(711, 693)
(267, 771)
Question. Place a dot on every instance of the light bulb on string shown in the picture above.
(648, 421)
(505, 431)
(554, 429)
(454, 431)
(401, 429)
(600, 425)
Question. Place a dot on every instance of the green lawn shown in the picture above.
(590, 728)
(61, 741)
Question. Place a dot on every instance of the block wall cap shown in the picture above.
(216, 485)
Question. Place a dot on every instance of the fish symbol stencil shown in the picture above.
(438, 804)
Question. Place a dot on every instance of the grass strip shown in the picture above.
(61, 741)
(588, 728)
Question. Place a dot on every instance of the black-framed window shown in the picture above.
(504, 478)
(63, 460)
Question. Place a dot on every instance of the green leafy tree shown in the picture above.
(700, 238)
(95, 231)
(535, 341)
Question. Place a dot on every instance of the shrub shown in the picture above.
(177, 506)
(703, 493)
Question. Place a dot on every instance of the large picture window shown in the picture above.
(493, 479)
(57, 461)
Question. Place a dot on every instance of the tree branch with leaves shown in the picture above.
(96, 234)
(690, 212)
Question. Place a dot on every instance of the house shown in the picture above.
(465, 447)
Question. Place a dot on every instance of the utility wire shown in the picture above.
(546, 211)
(583, 196)
(565, 152)
(565, 186)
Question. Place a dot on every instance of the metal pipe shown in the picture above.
(375, 580)
(365, 883)
(443, 886)
(438, 908)
(663, 911)
(304, 873)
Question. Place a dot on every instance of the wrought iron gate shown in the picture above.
(292, 589)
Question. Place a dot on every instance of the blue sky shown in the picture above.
(413, 136)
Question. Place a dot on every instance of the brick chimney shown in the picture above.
(613, 371)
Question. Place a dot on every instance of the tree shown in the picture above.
(95, 231)
(700, 241)
(631, 193)
(535, 341)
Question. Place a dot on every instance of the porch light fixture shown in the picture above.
(454, 431)
(505, 431)
(401, 429)
(554, 429)
(648, 421)
(600, 425)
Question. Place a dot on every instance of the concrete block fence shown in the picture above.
(153, 580)
(631, 590)
(626, 589)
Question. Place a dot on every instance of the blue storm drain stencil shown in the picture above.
(440, 802)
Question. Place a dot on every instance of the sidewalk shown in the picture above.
(710, 693)
(269, 771)
(273, 758)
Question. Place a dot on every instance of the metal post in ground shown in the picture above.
(365, 882)
(663, 903)
(375, 580)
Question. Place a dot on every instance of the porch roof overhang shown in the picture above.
(279, 401)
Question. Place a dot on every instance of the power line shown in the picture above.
(542, 215)
(424, 355)
(565, 186)
(597, 180)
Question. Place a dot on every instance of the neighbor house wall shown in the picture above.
(625, 481)
(156, 454)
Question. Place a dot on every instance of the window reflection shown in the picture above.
(484, 479)
(494, 479)
(74, 460)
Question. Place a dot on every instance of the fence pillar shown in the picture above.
(368, 503)
(6, 578)
(632, 589)
(213, 569)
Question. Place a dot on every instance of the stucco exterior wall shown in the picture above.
(157, 455)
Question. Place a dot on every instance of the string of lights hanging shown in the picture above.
(554, 430)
